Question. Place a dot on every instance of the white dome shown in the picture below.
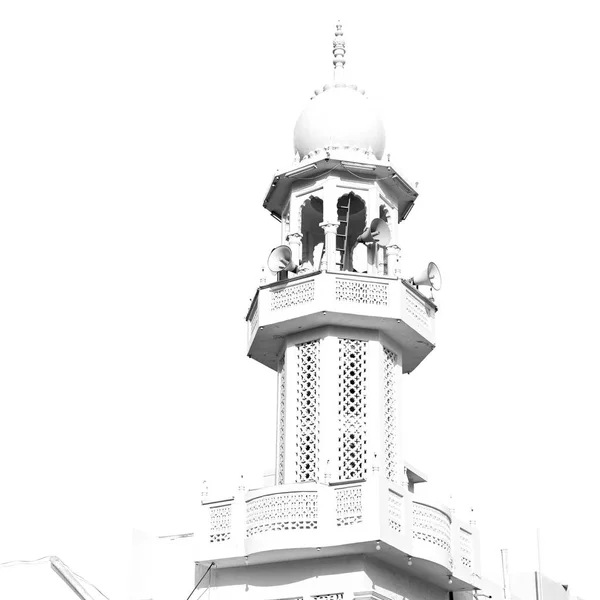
(339, 116)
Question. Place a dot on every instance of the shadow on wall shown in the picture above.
(277, 574)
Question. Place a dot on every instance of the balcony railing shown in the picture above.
(329, 298)
(350, 514)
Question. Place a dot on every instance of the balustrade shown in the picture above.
(336, 514)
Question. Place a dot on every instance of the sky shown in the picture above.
(137, 143)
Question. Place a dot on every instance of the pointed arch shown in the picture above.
(310, 217)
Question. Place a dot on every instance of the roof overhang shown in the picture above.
(395, 187)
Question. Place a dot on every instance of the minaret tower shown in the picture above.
(338, 517)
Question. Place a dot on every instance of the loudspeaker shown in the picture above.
(280, 259)
(430, 277)
(378, 232)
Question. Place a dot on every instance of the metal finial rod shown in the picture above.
(339, 51)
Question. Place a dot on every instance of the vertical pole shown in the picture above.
(505, 575)
(540, 583)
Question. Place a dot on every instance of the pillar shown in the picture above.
(330, 229)
(393, 260)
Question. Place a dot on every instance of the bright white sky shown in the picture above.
(137, 142)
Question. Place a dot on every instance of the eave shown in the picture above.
(397, 190)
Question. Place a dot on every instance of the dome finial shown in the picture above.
(339, 51)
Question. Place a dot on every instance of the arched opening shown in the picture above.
(313, 237)
(351, 212)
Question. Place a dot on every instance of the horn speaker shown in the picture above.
(378, 231)
(430, 277)
(280, 259)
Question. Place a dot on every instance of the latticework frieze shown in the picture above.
(352, 409)
(395, 511)
(361, 292)
(277, 512)
(307, 438)
(281, 424)
(431, 525)
(220, 523)
(466, 549)
(292, 295)
(416, 309)
(390, 429)
(348, 505)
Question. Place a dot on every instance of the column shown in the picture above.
(375, 446)
(380, 260)
(372, 258)
(294, 240)
(282, 409)
(399, 420)
(291, 400)
(330, 229)
(393, 260)
(329, 426)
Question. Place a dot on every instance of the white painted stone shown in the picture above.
(343, 519)
(339, 117)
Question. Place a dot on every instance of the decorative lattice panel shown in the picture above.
(395, 511)
(277, 512)
(339, 596)
(348, 504)
(352, 409)
(292, 295)
(281, 424)
(417, 310)
(220, 523)
(307, 438)
(431, 525)
(466, 549)
(390, 429)
(361, 292)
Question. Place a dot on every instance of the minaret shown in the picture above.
(338, 517)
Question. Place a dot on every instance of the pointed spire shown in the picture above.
(339, 51)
